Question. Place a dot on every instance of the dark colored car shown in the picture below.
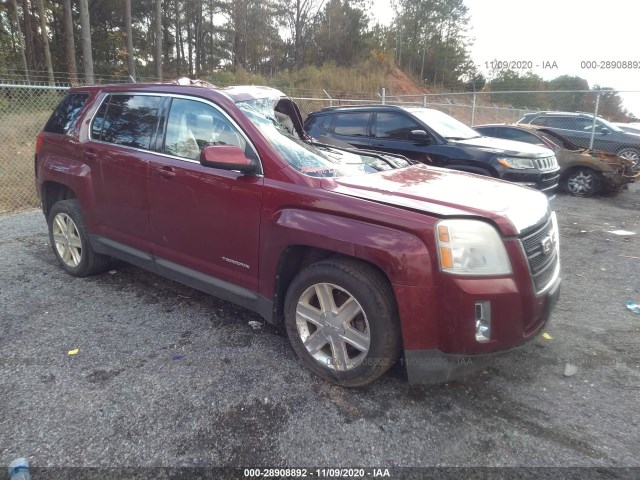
(582, 172)
(629, 127)
(577, 128)
(434, 138)
(364, 257)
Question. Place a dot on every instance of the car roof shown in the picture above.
(370, 107)
(236, 93)
(554, 112)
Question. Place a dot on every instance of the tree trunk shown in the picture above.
(28, 34)
(20, 41)
(189, 43)
(198, 35)
(85, 40)
(45, 41)
(131, 62)
(179, 52)
(166, 47)
(158, 32)
(69, 42)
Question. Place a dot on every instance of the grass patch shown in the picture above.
(18, 132)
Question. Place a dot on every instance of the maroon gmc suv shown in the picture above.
(365, 257)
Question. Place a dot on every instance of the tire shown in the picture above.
(582, 182)
(632, 154)
(356, 349)
(70, 242)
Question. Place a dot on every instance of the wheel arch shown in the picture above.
(53, 192)
(295, 258)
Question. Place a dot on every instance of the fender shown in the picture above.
(471, 169)
(72, 173)
(402, 256)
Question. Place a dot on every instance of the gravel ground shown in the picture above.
(167, 376)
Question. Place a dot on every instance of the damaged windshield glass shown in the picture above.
(312, 160)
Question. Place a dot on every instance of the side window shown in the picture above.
(129, 120)
(392, 125)
(193, 125)
(569, 123)
(352, 124)
(489, 132)
(520, 136)
(65, 113)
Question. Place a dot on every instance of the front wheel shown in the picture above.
(341, 319)
(582, 182)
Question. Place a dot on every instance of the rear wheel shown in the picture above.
(582, 182)
(341, 319)
(70, 241)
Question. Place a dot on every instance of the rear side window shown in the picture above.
(129, 120)
(352, 124)
(65, 113)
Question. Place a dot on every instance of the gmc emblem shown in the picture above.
(547, 245)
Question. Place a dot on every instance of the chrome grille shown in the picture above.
(547, 163)
(543, 265)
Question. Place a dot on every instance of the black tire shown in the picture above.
(582, 182)
(84, 261)
(377, 318)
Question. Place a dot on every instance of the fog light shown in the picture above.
(483, 321)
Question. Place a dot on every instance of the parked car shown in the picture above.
(582, 172)
(434, 138)
(363, 257)
(629, 127)
(577, 127)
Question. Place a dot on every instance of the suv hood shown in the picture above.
(444, 193)
(500, 146)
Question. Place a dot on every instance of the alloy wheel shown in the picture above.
(67, 240)
(333, 326)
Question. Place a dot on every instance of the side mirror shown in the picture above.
(419, 136)
(226, 157)
(605, 130)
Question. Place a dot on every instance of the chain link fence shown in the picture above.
(590, 118)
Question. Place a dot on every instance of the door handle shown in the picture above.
(166, 173)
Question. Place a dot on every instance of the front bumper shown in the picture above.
(435, 366)
(546, 182)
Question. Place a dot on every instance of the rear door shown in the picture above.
(203, 220)
(121, 136)
(353, 128)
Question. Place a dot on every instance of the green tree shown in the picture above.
(340, 34)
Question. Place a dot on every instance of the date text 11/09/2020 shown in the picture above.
(317, 472)
(520, 64)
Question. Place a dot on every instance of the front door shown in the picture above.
(201, 218)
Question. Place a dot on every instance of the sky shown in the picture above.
(567, 32)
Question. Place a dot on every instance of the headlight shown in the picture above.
(517, 163)
(471, 247)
